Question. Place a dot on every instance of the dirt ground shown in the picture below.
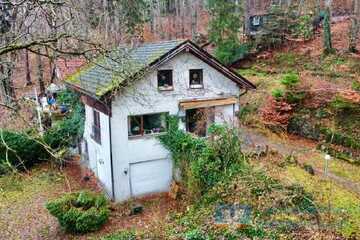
(23, 215)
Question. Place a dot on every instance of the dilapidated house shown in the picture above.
(127, 96)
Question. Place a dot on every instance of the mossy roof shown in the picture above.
(106, 72)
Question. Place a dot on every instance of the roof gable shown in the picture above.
(106, 73)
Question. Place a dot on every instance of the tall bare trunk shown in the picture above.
(27, 66)
(40, 73)
(355, 27)
(327, 28)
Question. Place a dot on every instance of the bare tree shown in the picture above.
(355, 27)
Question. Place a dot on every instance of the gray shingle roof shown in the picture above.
(100, 76)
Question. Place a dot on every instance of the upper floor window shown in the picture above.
(140, 125)
(196, 78)
(165, 80)
(96, 128)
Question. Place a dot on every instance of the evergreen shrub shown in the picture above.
(80, 212)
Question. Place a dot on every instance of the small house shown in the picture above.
(127, 96)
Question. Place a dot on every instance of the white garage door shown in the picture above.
(150, 177)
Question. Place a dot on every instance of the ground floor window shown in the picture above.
(140, 125)
(96, 128)
(198, 120)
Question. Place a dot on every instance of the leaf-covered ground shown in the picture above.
(23, 215)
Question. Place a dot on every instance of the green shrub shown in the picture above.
(22, 150)
(341, 104)
(356, 86)
(304, 27)
(290, 79)
(195, 235)
(204, 162)
(230, 51)
(340, 139)
(80, 212)
(278, 94)
(295, 97)
(65, 133)
(123, 235)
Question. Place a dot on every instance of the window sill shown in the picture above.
(197, 86)
(165, 88)
(147, 136)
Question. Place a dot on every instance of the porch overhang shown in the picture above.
(204, 103)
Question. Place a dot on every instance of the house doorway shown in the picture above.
(199, 119)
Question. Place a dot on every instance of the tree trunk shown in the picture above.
(355, 27)
(327, 28)
(27, 65)
(40, 73)
(247, 17)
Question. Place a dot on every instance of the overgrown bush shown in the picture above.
(340, 139)
(204, 162)
(229, 51)
(195, 234)
(356, 86)
(290, 79)
(341, 104)
(278, 94)
(304, 27)
(20, 151)
(65, 132)
(291, 94)
(80, 212)
(302, 127)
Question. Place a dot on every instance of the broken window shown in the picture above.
(165, 80)
(147, 124)
(198, 120)
(96, 129)
(196, 78)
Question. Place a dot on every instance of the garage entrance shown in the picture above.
(150, 177)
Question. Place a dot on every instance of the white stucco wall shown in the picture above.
(99, 154)
(144, 98)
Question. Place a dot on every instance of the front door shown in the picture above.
(100, 167)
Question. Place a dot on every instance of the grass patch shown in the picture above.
(17, 189)
(345, 205)
(336, 166)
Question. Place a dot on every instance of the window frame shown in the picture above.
(142, 131)
(196, 86)
(96, 127)
(164, 88)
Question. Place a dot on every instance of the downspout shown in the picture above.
(111, 161)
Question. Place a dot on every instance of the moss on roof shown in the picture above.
(109, 71)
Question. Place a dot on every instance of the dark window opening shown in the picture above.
(198, 120)
(96, 129)
(168, 7)
(147, 124)
(165, 80)
(196, 78)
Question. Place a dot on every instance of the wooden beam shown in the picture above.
(193, 104)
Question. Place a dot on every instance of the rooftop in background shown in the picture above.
(68, 67)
